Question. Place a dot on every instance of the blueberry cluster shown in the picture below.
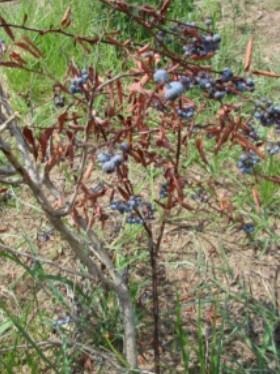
(244, 85)
(129, 206)
(200, 47)
(215, 89)
(247, 162)
(273, 148)
(78, 82)
(122, 206)
(267, 113)
(226, 84)
(109, 161)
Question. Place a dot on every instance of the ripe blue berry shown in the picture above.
(216, 38)
(227, 75)
(124, 147)
(186, 112)
(273, 148)
(249, 228)
(103, 157)
(134, 201)
(120, 206)
(218, 95)
(117, 160)
(108, 167)
(161, 76)
(173, 90)
(134, 220)
(163, 192)
(247, 162)
(74, 89)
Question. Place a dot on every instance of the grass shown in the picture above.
(213, 312)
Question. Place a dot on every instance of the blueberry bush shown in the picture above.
(126, 155)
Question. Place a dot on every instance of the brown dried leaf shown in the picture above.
(200, 148)
(248, 55)
(274, 179)
(164, 7)
(265, 73)
(29, 48)
(256, 198)
(124, 194)
(44, 139)
(225, 203)
(88, 171)
(32, 45)
(28, 135)
(120, 92)
(247, 145)
(66, 19)
(7, 28)
(17, 58)
(11, 64)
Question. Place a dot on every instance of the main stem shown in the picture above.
(156, 343)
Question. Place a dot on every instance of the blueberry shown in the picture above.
(124, 147)
(257, 115)
(84, 76)
(186, 113)
(249, 228)
(134, 220)
(59, 101)
(276, 110)
(173, 90)
(218, 95)
(134, 201)
(163, 192)
(108, 167)
(188, 50)
(216, 38)
(273, 148)
(205, 83)
(186, 82)
(74, 89)
(148, 211)
(103, 157)
(227, 74)
(117, 160)
(208, 39)
(250, 83)
(161, 76)
(120, 206)
(246, 162)
(241, 86)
